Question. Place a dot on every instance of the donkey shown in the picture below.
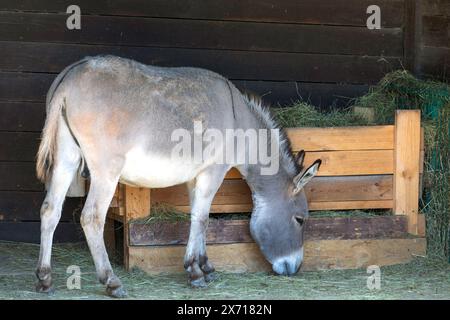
(113, 118)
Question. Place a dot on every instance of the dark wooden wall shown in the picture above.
(282, 49)
(433, 39)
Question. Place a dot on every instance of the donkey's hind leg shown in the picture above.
(201, 191)
(66, 164)
(93, 218)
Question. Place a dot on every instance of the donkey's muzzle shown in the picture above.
(288, 265)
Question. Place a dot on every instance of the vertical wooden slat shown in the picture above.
(406, 166)
(409, 35)
(137, 205)
(137, 202)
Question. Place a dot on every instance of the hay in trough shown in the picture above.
(162, 212)
(401, 90)
(301, 114)
(420, 279)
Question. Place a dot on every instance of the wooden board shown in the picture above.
(322, 205)
(136, 202)
(407, 165)
(19, 176)
(348, 12)
(34, 86)
(30, 232)
(435, 31)
(19, 146)
(321, 189)
(242, 65)
(352, 163)
(21, 116)
(319, 255)
(203, 34)
(25, 206)
(222, 231)
(351, 205)
(342, 138)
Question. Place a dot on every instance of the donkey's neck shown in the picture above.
(265, 186)
(258, 117)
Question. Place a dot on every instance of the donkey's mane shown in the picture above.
(264, 115)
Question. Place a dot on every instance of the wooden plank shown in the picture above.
(319, 255)
(320, 189)
(25, 206)
(407, 164)
(313, 206)
(238, 231)
(137, 202)
(117, 214)
(109, 236)
(434, 62)
(242, 65)
(319, 94)
(436, 8)
(19, 176)
(341, 138)
(15, 86)
(349, 12)
(34, 86)
(18, 146)
(21, 116)
(421, 225)
(350, 205)
(351, 163)
(409, 37)
(351, 188)
(30, 232)
(203, 34)
(435, 31)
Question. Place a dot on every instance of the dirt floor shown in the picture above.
(420, 279)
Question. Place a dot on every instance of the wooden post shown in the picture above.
(137, 205)
(137, 202)
(406, 166)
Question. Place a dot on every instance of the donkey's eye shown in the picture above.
(300, 220)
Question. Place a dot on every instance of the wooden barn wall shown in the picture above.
(433, 39)
(281, 49)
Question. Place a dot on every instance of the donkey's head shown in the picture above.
(278, 218)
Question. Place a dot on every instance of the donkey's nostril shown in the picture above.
(286, 268)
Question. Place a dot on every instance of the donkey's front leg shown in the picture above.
(201, 192)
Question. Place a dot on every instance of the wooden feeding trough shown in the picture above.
(372, 167)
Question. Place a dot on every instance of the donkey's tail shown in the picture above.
(55, 104)
(47, 147)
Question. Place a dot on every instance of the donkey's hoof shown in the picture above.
(117, 292)
(198, 283)
(43, 288)
(211, 276)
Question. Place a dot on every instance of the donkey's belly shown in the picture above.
(153, 171)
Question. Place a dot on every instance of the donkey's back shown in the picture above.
(118, 110)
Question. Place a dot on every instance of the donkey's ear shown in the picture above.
(299, 158)
(301, 180)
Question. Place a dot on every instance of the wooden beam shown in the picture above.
(137, 205)
(222, 231)
(137, 202)
(342, 138)
(319, 255)
(407, 165)
(313, 206)
(350, 205)
(421, 225)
